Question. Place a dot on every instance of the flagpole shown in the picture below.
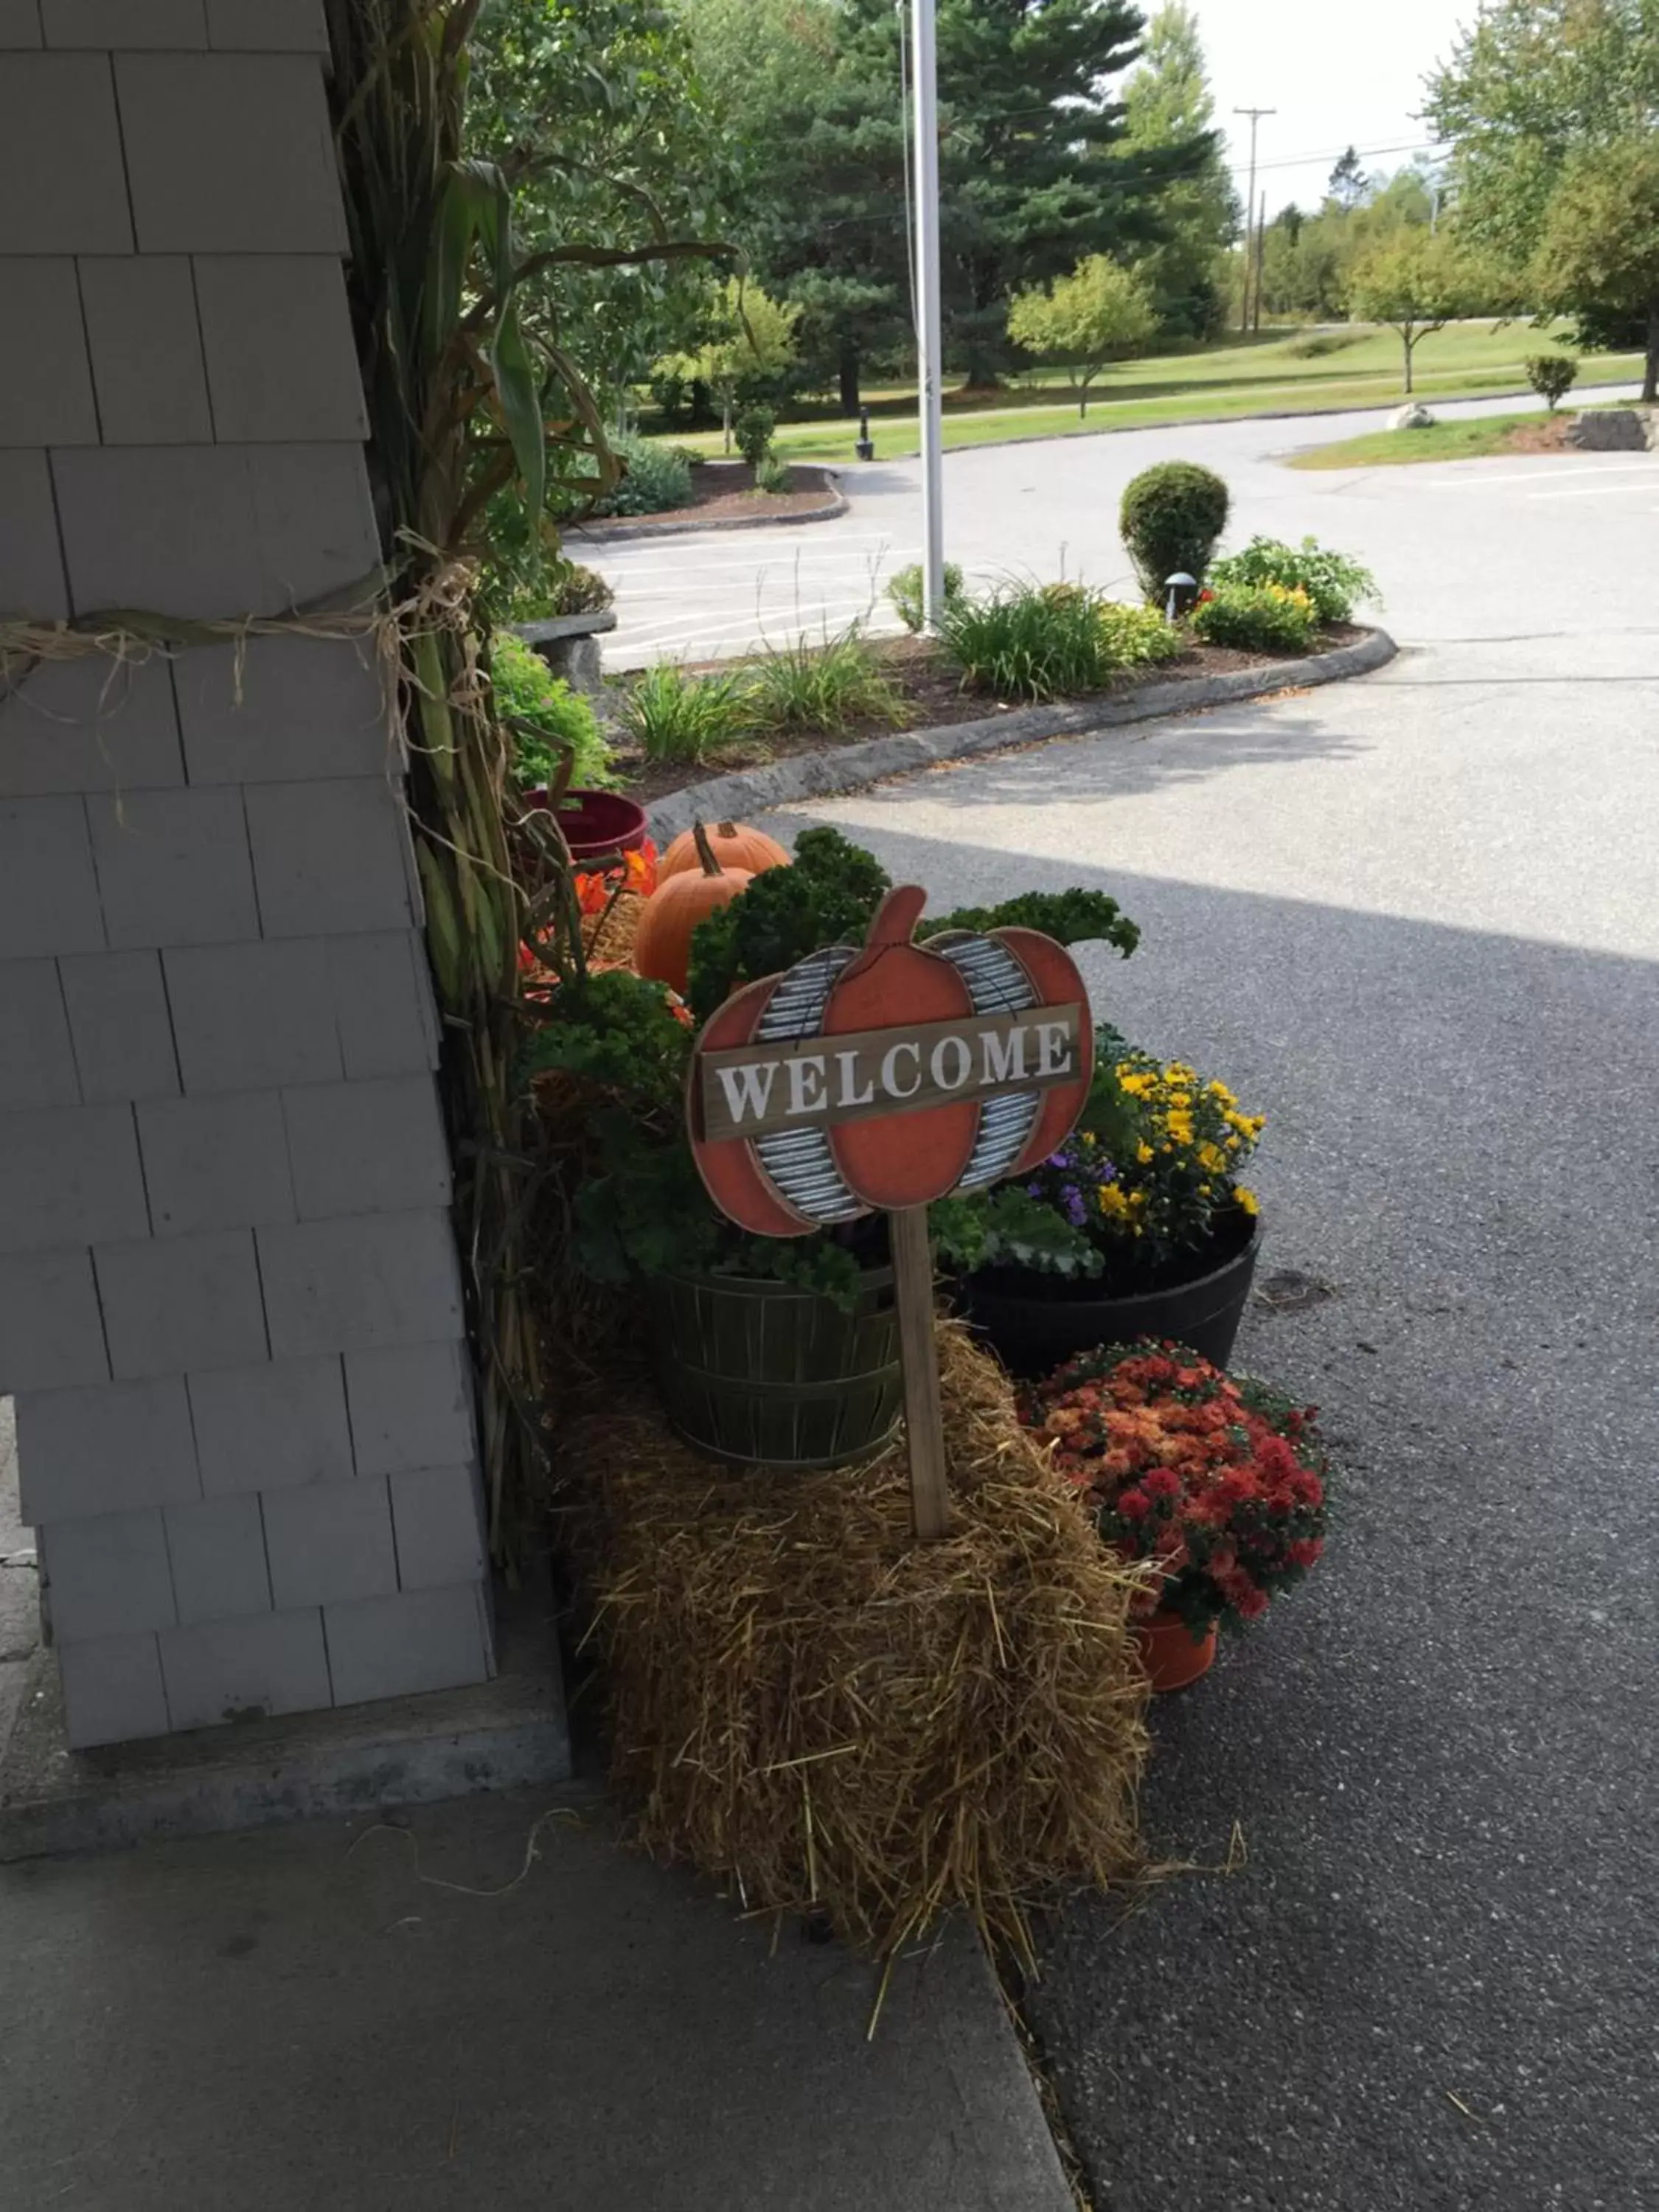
(929, 344)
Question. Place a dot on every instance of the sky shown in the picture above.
(1339, 73)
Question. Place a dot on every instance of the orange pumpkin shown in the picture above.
(735, 846)
(662, 943)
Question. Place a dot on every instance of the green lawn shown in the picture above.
(1278, 372)
(1441, 442)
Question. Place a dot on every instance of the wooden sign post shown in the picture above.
(881, 1078)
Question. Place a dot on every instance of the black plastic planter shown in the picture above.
(1034, 1321)
(763, 1375)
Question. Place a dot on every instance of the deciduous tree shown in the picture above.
(1530, 86)
(1417, 280)
(1600, 247)
(751, 335)
(1096, 315)
(607, 138)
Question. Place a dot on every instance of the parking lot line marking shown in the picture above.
(1598, 491)
(1532, 476)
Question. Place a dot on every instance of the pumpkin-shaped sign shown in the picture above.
(888, 1075)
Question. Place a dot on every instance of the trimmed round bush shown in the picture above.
(1172, 516)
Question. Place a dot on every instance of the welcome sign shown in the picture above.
(883, 1078)
(824, 1081)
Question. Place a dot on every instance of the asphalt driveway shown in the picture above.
(1415, 921)
(1049, 509)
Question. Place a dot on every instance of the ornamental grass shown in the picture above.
(808, 1703)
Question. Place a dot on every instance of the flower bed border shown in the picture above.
(626, 528)
(851, 768)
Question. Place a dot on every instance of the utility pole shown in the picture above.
(1256, 115)
(1261, 255)
(929, 342)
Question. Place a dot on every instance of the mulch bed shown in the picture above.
(724, 491)
(1547, 435)
(933, 697)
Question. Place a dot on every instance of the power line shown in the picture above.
(1330, 154)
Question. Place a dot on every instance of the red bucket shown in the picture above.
(595, 822)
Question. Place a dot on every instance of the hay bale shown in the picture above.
(806, 1701)
(609, 935)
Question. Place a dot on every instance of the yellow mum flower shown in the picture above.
(1246, 1199)
(1144, 1153)
(1210, 1158)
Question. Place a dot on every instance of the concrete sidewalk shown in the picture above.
(312, 2019)
(309, 2017)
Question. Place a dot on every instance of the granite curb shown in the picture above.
(849, 767)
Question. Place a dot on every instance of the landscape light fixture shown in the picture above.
(866, 447)
(1182, 590)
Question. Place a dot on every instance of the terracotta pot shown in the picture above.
(1171, 1654)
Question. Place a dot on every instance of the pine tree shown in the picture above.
(1168, 109)
(1030, 175)
(1349, 186)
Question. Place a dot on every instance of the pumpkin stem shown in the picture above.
(897, 915)
(711, 866)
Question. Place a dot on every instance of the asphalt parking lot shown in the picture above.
(1415, 920)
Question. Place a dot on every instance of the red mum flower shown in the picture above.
(1208, 1477)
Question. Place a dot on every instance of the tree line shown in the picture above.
(761, 146)
(1070, 130)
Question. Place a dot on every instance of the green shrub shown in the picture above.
(1020, 642)
(1256, 618)
(655, 477)
(563, 587)
(773, 475)
(752, 434)
(1326, 341)
(1333, 582)
(904, 589)
(823, 686)
(829, 897)
(1552, 376)
(1134, 637)
(1171, 516)
(1050, 641)
(573, 590)
(674, 716)
(546, 719)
